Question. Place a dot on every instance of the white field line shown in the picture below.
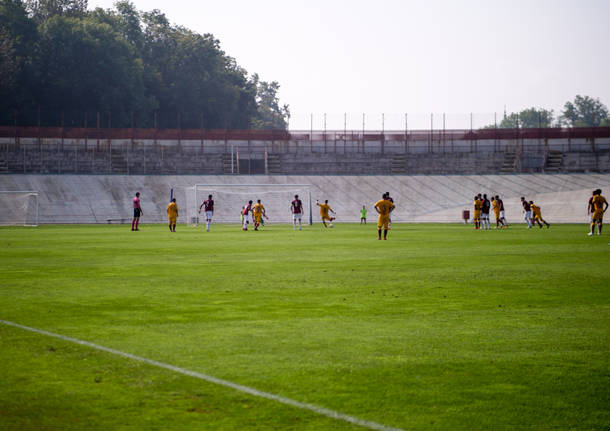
(255, 392)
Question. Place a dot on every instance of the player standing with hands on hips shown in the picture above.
(383, 207)
(137, 212)
(208, 207)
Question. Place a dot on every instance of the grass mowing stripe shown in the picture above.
(246, 389)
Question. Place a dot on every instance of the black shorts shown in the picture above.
(136, 212)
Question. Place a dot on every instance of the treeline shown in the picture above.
(59, 59)
(584, 111)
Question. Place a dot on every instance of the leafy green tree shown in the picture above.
(41, 10)
(585, 112)
(528, 118)
(269, 114)
(57, 55)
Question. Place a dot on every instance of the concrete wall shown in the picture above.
(80, 156)
(432, 198)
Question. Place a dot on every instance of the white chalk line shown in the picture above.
(246, 389)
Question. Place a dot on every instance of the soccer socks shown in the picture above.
(207, 226)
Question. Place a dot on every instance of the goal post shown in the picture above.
(18, 208)
(229, 199)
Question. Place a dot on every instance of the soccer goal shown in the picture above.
(18, 208)
(229, 199)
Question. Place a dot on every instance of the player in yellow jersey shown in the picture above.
(172, 214)
(258, 212)
(383, 207)
(538, 215)
(324, 212)
(478, 204)
(600, 205)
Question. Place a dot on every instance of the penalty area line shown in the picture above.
(211, 379)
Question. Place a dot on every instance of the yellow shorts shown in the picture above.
(598, 215)
(325, 217)
(383, 222)
(172, 220)
(477, 215)
(497, 214)
(257, 218)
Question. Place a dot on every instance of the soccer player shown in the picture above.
(477, 212)
(590, 207)
(485, 206)
(258, 212)
(363, 215)
(296, 207)
(244, 215)
(528, 212)
(172, 214)
(208, 207)
(324, 210)
(387, 196)
(383, 207)
(538, 215)
(502, 215)
(137, 212)
(600, 205)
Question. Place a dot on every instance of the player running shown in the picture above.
(324, 210)
(538, 215)
(208, 207)
(600, 205)
(258, 212)
(296, 208)
(137, 212)
(527, 209)
(383, 207)
(172, 214)
(477, 211)
(244, 215)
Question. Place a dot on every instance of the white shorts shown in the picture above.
(590, 217)
(297, 216)
(485, 216)
(501, 214)
(208, 215)
(528, 215)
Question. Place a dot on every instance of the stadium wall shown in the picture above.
(426, 198)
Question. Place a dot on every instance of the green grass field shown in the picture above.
(441, 327)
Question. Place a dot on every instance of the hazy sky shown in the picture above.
(404, 56)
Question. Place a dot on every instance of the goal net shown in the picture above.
(18, 208)
(229, 199)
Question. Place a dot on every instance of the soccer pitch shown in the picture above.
(440, 327)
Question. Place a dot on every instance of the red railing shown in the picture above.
(279, 135)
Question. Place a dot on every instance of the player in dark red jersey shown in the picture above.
(527, 209)
(208, 207)
(296, 207)
(244, 213)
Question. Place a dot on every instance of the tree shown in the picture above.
(269, 114)
(527, 118)
(41, 10)
(585, 112)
